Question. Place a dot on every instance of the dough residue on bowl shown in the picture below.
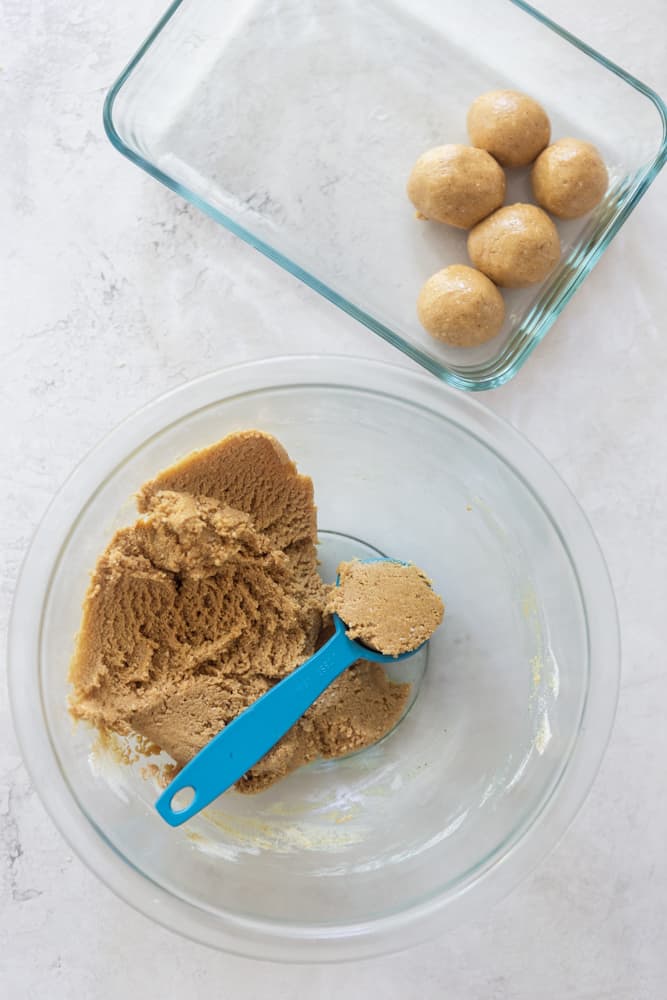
(389, 606)
(206, 602)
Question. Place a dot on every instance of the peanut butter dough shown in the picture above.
(456, 184)
(510, 125)
(518, 245)
(569, 178)
(460, 306)
(389, 606)
(206, 602)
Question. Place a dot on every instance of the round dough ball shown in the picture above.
(517, 245)
(456, 184)
(511, 126)
(569, 178)
(460, 306)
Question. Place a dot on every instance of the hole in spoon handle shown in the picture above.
(177, 802)
(182, 799)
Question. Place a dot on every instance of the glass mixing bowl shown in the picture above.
(486, 770)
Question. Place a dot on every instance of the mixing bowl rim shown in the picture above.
(299, 942)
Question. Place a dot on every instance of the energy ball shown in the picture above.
(511, 126)
(461, 307)
(569, 178)
(518, 245)
(455, 184)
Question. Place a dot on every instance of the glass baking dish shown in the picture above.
(295, 125)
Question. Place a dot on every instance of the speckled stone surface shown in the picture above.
(113, 291)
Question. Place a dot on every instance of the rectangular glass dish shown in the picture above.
(296, 124)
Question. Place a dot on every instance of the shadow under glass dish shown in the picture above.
(296, 127)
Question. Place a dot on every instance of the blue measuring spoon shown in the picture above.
(252, 733)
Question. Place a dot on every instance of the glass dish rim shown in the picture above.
(632, 194)
(294, 942)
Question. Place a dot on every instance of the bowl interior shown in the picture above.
(449, 792)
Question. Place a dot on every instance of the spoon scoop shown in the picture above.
(251, 734)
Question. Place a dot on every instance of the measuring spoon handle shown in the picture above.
(252, 733)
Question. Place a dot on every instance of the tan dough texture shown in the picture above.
(388, 606)
(456, 184)
(510, 125)
(194, 612)
(569, 178)
(460, 306)
(518, 245)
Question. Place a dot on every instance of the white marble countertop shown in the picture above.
(114, 290)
